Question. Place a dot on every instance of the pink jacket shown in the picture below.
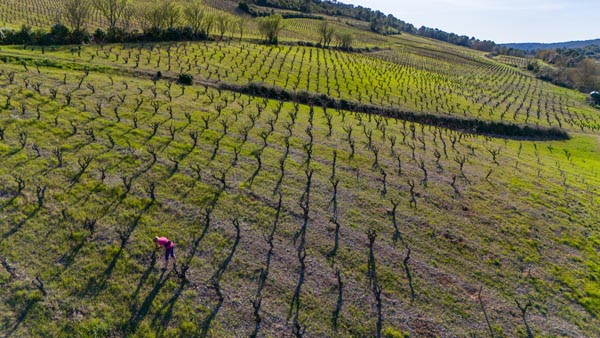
(162, 241)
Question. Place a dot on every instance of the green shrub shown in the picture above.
(185, 79)
(244, 7)
(389, 332)
(93, 327)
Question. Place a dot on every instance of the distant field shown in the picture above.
(290, 219)
(430, 81)
(14, 13)
(43, 14)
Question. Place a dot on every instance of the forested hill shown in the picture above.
(378, 22)
(539, 46)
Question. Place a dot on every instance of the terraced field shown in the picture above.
(291, 219)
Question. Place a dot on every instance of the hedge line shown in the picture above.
(466, 125)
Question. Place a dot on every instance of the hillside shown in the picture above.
(541, 46)
(408, 187)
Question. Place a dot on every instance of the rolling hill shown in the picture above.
(539, 46)
(405, 188)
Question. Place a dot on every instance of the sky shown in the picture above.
(502, 21)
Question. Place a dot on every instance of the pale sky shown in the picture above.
(502, 21)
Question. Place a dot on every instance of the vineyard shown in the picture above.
(290, 217)
(425, 82)
(41, 14)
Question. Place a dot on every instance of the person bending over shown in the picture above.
(169, 249)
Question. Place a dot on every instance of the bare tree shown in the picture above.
(127, 17)
(326, 33)
(197, 17)
(587, 74)
(149, 16)
(76, 13)
(240, 26)
(112, 10)
(159, 14)
(223, 22)
(172, 13)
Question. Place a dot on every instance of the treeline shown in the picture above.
(568, 57)
(533, 46)
(583, 75)
(460, 40)
(501, 50)
(257, 12)
(60, 34)
(378, 21)
(575, 68)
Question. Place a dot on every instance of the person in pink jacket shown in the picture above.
(169, 249)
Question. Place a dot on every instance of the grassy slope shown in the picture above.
(411, 76)
(525, 232)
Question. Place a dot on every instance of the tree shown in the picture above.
(305, 6)
(345, 40)
(112, 10)
(76, 13)
(150, 17)
(587, 74)
(171, 12)
(159, 15)
(376, 26)
(240, 25)
(197, 18)
(127, 17)
(24, 35)
(270, 27)
(207, 25)
(223, 22)
(326, 33)
(244, 7)
(59, 34)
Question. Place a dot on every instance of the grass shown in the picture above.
(520, 223)
(506, 213)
